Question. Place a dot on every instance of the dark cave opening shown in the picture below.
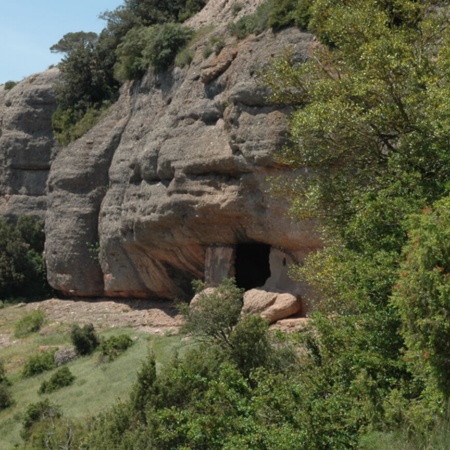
(252, 265)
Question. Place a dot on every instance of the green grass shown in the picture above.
(97, 385)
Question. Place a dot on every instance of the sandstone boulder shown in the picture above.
(272, 306)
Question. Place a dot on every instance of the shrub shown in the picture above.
(215, 44)
(22, 269)
(9, 85)
(39, 363)
(37, 412)
(155, 46)
(184, 57)
(84, 339)
(61, 378)
(5, 396)
(112, 347)
(3, 378)
(215, 313)
(254, 23)
(69, 127)
(30, 323)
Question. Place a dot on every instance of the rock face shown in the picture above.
(172, 184)
(27, 147)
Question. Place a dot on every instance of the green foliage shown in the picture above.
(39, 363)
(215, 312)
(84, 339)
(61, 378)
(184, 57)
(290, 12)
(93, 65)
(254, 23)
(6, 399)
(9, 85)
(114, 346)
(422, 294)
(69, 126)
(370, 110)
(5, 395)
(30, 323)
(37, 412)
(215, 45)
(155, 46)
(21, 259)
(70, 41)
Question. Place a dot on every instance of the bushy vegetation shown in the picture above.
(29, 323)
(84, 339)
(9, 85)
(371, 105)
(39, 363)
(218, 394)
(114, 346)
(274, 14)
(22, 269)
(61, 378)
(139, 34)
(5, 394)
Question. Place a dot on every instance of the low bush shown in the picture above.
(112, 347)
(61, 378)
(84, 339)
(9, 85)
(69, 126)
(5, 396)
(39, 363)
(30, 323)
(254, 23)
(37, 412)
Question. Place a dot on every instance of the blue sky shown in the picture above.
(28, 28)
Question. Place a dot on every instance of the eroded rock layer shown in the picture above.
(27, 147)
(174, 180)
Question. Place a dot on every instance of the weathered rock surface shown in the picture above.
(272, 306)
(27, 147)
(174, 180)
(171, 185)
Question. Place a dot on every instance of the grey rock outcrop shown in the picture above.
(27, 147)
(172, 185)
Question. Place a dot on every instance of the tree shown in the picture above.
(422, 294)
(215, 312)
(71, 41)
(368, 137)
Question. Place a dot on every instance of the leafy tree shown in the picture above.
(71, 41)
(21, 259)
(371, 107)
(422, 294)
(215, 312)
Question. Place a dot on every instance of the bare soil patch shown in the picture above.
(154, 317)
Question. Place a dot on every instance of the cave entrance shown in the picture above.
(252, 265)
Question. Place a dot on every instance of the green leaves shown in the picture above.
(422, 294)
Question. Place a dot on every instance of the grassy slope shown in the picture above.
(97, 385)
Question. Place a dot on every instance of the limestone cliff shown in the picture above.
(171, 185)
